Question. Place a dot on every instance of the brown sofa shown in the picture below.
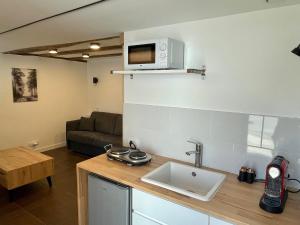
(89, 135)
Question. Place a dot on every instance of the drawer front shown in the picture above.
(29, 174)
(165, 211)
(141, 220)
(215, 221)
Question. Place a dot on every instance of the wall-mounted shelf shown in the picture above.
(201, 72)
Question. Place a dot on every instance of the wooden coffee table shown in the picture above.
(20, 166)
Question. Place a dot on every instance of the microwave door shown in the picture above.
(143, 55)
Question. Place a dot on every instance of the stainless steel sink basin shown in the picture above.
(194, 182)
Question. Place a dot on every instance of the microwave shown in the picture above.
(165, 53)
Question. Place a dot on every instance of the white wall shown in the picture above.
(250, 67)
(62, 94)
(250, 71)
(107, 96)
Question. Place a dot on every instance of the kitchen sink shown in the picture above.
(194, 182)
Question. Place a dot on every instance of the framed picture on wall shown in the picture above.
(24, 85)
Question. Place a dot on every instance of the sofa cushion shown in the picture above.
(84, 137)
(86, 124)
(94, 138)
(72, 125)
(105, 123)
(118, 126)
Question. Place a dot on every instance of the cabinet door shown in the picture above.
(141, 220)
(215, 221)
(165, 212)
(108, 203)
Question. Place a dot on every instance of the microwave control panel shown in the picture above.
(163, 47)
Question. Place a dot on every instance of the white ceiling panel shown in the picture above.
(111, 17)
(14, 13)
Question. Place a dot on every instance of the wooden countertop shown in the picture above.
(235, 202)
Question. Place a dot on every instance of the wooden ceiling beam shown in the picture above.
(106, 55)
(47, 47)
(98, 56)
(122, 38)
(87, 50)
(52, 57)
(105, 51)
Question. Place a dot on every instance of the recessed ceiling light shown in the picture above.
(85, 56)
(53, 51)
(95, 46)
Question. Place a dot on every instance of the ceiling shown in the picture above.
(32, 10)
(107, 18)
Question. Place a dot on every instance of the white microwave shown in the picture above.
(165, 53)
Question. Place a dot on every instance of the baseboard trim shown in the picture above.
(50, 147)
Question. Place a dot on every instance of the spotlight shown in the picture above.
(53, 51)
(85, 56)
(95, 46)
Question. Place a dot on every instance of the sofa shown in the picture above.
(89, 135)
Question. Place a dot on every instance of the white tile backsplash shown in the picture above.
(190, 122)
(221, 155)
(230, 140)
(229, 127)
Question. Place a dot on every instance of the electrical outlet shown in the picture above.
(34, 143)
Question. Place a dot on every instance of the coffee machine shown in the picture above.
(275, 195)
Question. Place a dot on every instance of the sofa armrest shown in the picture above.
(72, 125)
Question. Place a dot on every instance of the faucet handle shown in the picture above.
(190, 153)
(194, 141)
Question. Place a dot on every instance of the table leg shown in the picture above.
(11, 195)
(49, 181)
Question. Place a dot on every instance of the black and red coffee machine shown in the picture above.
(275, 195)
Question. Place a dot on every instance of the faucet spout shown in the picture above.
(198, 152)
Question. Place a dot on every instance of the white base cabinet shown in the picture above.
(152, 210)
(215, 221)
(138, 219)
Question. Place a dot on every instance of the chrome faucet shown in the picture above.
(198, 152)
